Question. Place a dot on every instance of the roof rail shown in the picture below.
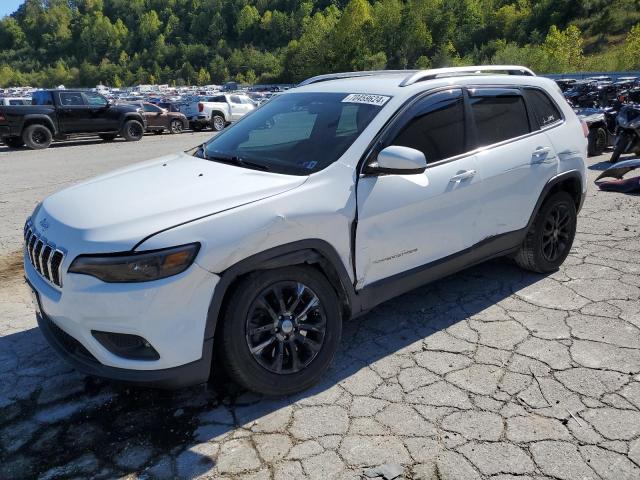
(337, 76)
(423, 75)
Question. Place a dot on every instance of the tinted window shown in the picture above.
(19, 102)
(235, 99)
(544, 110)
(70, 99)
(150, 108)
(498, 115)
(295, 133)
(95, 99)
(220, 99)
(437, 127)
(42, 98)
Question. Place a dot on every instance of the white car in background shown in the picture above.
(328, 200)
(217, 111)
(10, 101)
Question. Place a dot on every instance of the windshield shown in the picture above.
(296, 133)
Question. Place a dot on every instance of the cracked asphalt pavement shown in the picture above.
(491, 373)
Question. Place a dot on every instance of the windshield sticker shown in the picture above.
(378, 100)
(310, 165)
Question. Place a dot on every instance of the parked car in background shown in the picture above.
(217, 111)
(158, 119)
(342, 193)
(8, 101)
(60, 114)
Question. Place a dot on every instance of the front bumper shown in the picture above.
(169, 313)
(81, 359)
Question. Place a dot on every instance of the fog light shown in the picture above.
(126, 345)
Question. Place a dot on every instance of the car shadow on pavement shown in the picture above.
(56, 422)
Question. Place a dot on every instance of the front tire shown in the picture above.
(281, 330)
(132, 131)
(620, 147)
(597, 142)
(550, 238)
(37, 137)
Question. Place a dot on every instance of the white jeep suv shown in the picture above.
(333, 197)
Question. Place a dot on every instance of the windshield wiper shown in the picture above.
(234, 160)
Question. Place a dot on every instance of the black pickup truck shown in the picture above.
(60, 114)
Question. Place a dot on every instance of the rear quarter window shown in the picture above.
(542, 107)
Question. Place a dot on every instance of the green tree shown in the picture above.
(631, 52)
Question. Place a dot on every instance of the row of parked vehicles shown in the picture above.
(611, 111)
(61, 114)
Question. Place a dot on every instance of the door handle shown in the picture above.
(540, 153)
(463, 176)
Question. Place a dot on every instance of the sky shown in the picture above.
(9, 6)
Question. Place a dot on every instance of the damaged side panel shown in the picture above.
(302, 213)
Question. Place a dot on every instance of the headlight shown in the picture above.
(136, 267)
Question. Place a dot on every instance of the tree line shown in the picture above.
(198, 42)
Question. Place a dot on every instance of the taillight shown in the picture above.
(2, 117)
(585, 128)
(200, 107)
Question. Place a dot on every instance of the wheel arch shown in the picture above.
(132, 116)
(570, 182)
(39, 120)
(316, 253)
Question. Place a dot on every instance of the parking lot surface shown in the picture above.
(491, 373)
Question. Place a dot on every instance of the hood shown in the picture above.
(115, 211)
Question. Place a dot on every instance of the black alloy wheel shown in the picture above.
(556, 234)
(280, 329)
(285, 328)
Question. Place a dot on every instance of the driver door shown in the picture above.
(410, 221)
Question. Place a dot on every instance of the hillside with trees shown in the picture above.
(129, 42)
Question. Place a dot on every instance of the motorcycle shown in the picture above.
(602, 127)
(627, 132)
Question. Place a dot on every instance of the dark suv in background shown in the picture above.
(60, 114)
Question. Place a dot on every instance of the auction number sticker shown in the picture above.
(378, 100)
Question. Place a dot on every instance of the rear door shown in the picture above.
(516, 158)
(73, 112)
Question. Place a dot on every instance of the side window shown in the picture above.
(219, 99)
(95, 99)
(71, 99)
(544, 110)
(436, 127)
(42, 98)
(498, 114)
(235, 99)
(150, 108)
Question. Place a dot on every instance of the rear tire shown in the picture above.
(108, 137)
(218, 123)
(597, 142)
(132, 131)
(13, 142)
(282, 357)
(549, 240)
(37, 137)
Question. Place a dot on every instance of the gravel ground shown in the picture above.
(492, 373)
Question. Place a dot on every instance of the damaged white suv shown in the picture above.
(331, 198)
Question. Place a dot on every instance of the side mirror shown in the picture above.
(399, 161)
